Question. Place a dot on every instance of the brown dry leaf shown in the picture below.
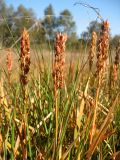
(102, 130)
(17, 142)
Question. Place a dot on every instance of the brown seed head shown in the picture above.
(25, 57)
(116, 62)
(59, 61)
(103, 46)
(92, 52)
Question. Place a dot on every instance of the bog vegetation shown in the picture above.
(55, 104)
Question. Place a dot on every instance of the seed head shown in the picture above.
(59, 61)
(92, 52)
(103, 46)
(116, 62)
(25, 57)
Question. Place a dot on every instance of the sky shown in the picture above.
(109, 10)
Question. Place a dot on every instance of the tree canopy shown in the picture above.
(15, 20)
(66, 22)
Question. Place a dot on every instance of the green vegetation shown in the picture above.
(55, 105)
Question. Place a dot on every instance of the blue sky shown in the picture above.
(109, 9)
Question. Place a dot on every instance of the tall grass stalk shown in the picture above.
(103, 46)
(58, 75)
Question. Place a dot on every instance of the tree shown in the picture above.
(6, 24)
(3, 8)
(93, 26)
(24, 18)
(14, 22)
(85, 36)
(114, 41)
(66, 22)
(49, 22)
(73, 42)
(38, 33)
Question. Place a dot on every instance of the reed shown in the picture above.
(103, 47)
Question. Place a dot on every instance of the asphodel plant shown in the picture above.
(102, 55)
(58, 74)
(25, 67)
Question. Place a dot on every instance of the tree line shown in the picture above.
(12, 22)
